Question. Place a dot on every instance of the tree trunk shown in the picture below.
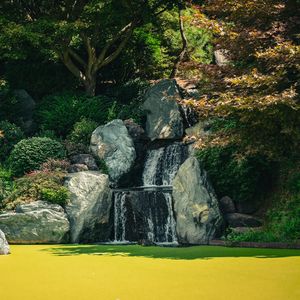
(184, 49)
(90, 86)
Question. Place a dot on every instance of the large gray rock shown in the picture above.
(226, 205)
(35, 223)
(25, 107)
(113, 144)
(85, 159)
(195, 205)
(164, 119)
(89, 207)
(242, 220)
(4, 247)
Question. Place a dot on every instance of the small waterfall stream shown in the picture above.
(146, 212)
(119, 217)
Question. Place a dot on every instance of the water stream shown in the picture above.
(146, 212)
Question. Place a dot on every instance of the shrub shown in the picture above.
(60, 112)
(75, 148)
(6, 184)
(241, 178)
(52, 165)
(59, 195)
(283, 225)
(82, 131)
(10, 135)
(30, 154)
(38, 185)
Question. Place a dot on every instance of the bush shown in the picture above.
(38, 185)
(30, 154)
(241, 178)
(82, 131)
(52, 165)
(283, 225)
(6, 184)
(10, 135)
(75, 148)
(59, 113)
(60, 195)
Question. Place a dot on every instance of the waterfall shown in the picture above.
(146, 212)
(170, 229)
(162, 164)
(153, 159)
(119, 217)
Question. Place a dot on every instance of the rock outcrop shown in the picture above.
(221, 57)
(242, 220)
(24, 110)
(85, 159)
(113, 144)
(89, 207)
(35, 223)
(195, 205)
(164, 119)
(4, 247)
(227, 205)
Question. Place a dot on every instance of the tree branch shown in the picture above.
(128, 28)
(71, 66)
(117, 52)
(77, 58)
(184, 49)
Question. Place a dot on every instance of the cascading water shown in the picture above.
(162, 164)
(119, 217)
(171, 223)
(146, 213)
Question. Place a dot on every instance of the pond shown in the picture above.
(123, 272)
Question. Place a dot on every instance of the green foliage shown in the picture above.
(101, 165)
(283, 225)
(38, 185)
(6, 183)
(29, 154)
(58, 195)
(10, 135)
(241, 178)
(39, 77)
(59, 113)
(82, 131)
(75, 148)
(52, 165)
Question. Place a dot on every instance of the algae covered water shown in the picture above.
(80, 272)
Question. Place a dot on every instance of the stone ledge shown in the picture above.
(274, 245)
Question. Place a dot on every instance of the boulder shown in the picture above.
(135, 130)
(4, 247)
(164, 119)
(35, 223)
(25, 109)
(77, 168)
(85, 159)
(113, 144)
(242, 220)
(195, 205)
(221, 57)
(226, 205)
(89, 206)
(200, 130)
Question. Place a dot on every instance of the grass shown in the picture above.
(103, 272)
